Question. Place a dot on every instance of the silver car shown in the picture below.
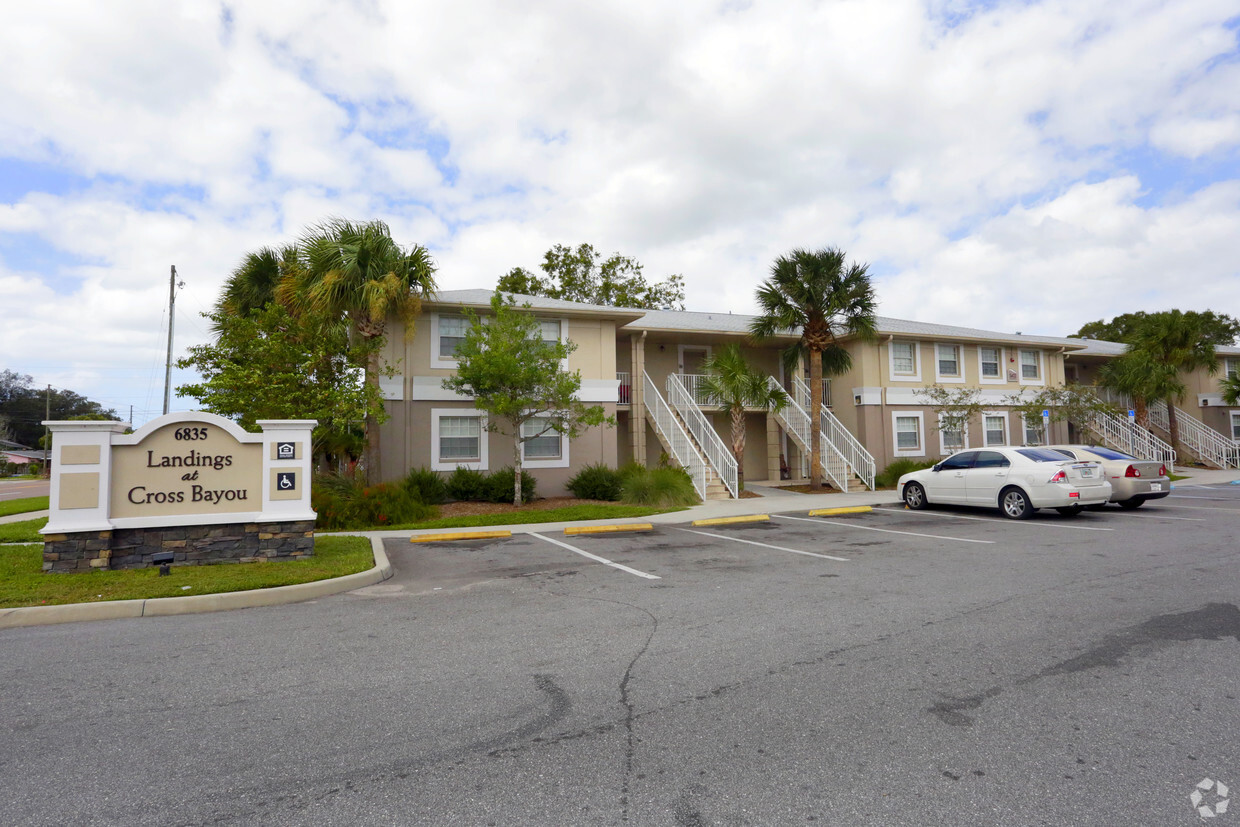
(1133, 481)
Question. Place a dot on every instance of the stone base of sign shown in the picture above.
(195, 545)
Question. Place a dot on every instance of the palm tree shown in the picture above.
(735, 385)
(813, 294)
(256, 280)
(1175, 342)
(1231, 389)
(1137, 375)
(355, 271)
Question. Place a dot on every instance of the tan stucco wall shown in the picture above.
(1052, 362)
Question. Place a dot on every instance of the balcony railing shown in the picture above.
(626, 388)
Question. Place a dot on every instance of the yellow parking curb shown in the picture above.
(460, 535)
(752, 518)
(850, 509)
(606, 529)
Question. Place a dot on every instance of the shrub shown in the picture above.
(467, 484)
(892, 473)
(596, 482)
(501, 485)
(343, 503)
(658, 487)
(427, 485)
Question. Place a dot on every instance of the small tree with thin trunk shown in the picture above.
(517, 377)
(955, 407)
(735, 385)
(1070, 403)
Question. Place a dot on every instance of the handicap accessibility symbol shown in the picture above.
(286, 481)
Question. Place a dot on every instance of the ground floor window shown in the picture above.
(952, 440)
(908, 433)
(458, 438)
(1235, 425)
(1033, 430)
(543, 447)
(995, 427)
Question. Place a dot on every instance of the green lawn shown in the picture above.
(24, 531)
(569, 513)
(23, 505)
(24, 583)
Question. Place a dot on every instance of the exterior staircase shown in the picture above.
(1199, 439)
(1131, 438)
(845, 462)
(682, 446)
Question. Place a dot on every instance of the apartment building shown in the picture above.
(645, 368)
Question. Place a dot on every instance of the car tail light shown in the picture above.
(1162, 471)
(1132, 471)
(1059, 477)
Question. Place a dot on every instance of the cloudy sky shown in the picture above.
(1009, 165)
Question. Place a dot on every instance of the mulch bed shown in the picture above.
(472, 509)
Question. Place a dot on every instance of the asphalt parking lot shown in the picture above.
(934, 667)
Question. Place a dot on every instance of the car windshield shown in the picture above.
(1109, 453)
(1041, 454)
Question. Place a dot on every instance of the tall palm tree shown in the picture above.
(1231, 390)
(814, 294)
(735, 385)
(1176, 342)
(256, 281)
(355, 271)
(1137, 375)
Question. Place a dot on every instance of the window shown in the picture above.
(1031, 364)
(959, 462)
(1235, 426)
(452, 330)
(1231, 367)
(948, 357)
(991, 459)
(549, 329)
(995, 427)
(458, 437)
(1041, 454)
(907, 433)
(1033, 430)
(904, 360)
(990, 364)
(952, 439)
(541, 441)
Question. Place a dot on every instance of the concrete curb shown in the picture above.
(460, 535)
(748, 518)
(849, 509)
(608, 529)
(199, 603)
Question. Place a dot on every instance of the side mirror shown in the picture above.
(937, 468)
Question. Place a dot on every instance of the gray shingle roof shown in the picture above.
(480, 297)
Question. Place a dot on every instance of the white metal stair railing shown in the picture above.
(693, 384)
(1208, 444)
(859, 461)
(717, 454)
(674, 434)
(1119, 433)
(796, 422)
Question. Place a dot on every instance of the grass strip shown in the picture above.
(23, 531)
(571, 513)
(24, 583)
(23, 505)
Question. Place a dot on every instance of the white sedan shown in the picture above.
(1018, 481)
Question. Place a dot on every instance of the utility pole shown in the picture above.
(172, 304)
(47, 433)
(131, 416)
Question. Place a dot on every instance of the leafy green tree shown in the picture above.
(1139, 376)
(1176, 343)
(355, 271)
(736, 385)
(1069, 403)
(24, 406)
(815, 294)
(516, 376)
(955, 407)
(582, 275)
(1217, 328)
(270, 364)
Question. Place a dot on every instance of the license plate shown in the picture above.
(1087, 472)
(1156, 486)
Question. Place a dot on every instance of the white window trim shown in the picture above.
(442, 465)
(680, 355)
(915, 376)
(1001, 379)
(559, 462)
(1233, 415)
(964, 438)
(1007, 433)
(1024, 430)
(1231, 364)
(1020, 366)
(920, 451)
(940, 377)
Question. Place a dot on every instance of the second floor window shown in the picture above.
(903, 359)
(452, 330)
(1030, 364)
(1231, 368)
(990, 362)
(949, 360)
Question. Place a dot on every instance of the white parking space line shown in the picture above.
(598, 559)
(1194, 497)
(913, 513)
(765, 545)
(851, 524)
(1155, 515)
(1198, 508)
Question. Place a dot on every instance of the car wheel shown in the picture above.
(1015, 504)
(1133, 503)
(915, 496)
(1071, 510)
